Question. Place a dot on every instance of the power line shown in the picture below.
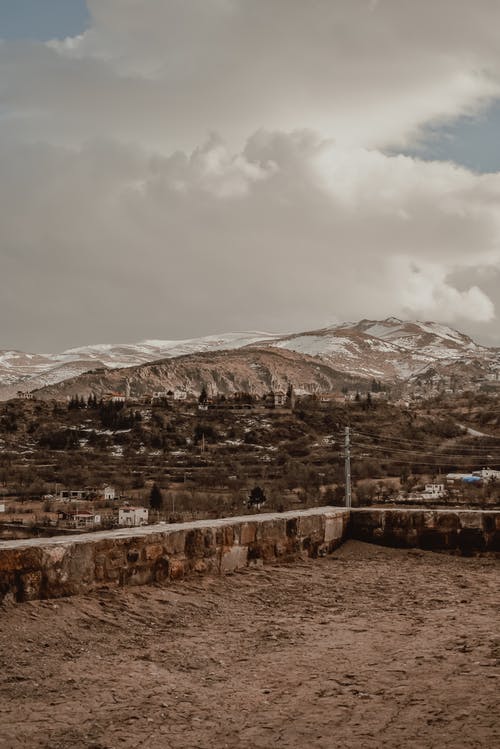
(425, 453)
(423, 463)
(416, 441)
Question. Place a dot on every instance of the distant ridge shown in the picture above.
(390, 350)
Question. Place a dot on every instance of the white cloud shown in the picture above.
(165, 73)
(116, 207)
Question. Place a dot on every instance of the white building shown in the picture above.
(133, 516)
(109, 492)
(2, 507)
(434, 491)
(80, 519)
(69, 495)
(180, 394)
(487, 473)
(279, 398)
(159, 394)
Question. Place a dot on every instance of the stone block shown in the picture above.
(271, 530)
(447, 522)
(334, 528)
(470, 520)
(30, 587)
(247, 533)
(137, 575)
(471, 541)
(234, 558)
(175, 542)
(177, 569)
(311, 526)
(153, 552)
(161, 570)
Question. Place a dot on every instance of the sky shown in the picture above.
(175, 168)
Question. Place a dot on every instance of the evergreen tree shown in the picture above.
(256, 497)
(156, 498)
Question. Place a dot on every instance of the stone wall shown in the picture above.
(464, 532)
(39, 568)
(43, 568)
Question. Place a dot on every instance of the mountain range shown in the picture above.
(390, 350)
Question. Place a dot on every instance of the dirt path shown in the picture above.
(371, 648)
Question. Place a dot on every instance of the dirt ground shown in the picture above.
(369, 648)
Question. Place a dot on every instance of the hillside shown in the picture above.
(253, 370)
(391, 350)
(27, 372)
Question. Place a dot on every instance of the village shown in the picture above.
(89, 465)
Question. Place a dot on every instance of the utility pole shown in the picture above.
(347, 454)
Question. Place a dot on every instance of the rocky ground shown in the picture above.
(370, 648)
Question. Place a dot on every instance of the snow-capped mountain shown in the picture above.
(25, 372)
(389, 350)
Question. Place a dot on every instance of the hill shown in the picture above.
(253, 370)
(390, 350)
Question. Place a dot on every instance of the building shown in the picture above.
(434, 491)
(180, 394)
(78, 518)
(462, 478)
(2, 507)
(72, 495)
(109, 493)
(25, 395)
(279, 398)
(133, 516)
(488, 474)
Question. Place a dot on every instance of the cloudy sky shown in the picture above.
(173, 168)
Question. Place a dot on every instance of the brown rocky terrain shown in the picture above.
(245, 370)
(391, 350)
(369, 648)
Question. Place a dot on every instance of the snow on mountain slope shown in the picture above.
(20, 371)
(389, 349)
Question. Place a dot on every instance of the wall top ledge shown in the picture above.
(166, 528)
(443, 510)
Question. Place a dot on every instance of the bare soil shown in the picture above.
(370, 648)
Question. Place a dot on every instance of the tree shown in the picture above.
(156, 498)
(203, 398)
(257, 497)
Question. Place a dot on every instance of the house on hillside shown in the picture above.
(162, 396)
(25, 395)
(73, 495)
(487, 474)
(434, 491)
(78, 519)
(132, 516)
(279, 398)
(462, 478)
(109, 492)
